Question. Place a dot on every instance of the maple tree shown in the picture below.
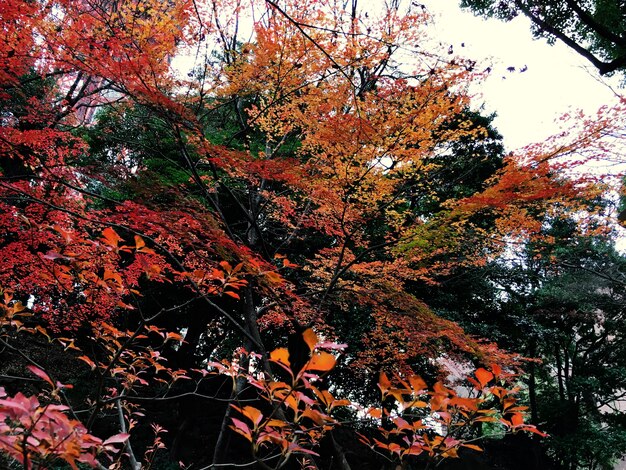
(291, 188)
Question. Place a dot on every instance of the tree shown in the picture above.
(290, 189)
(577, 309)
(558, 300)
(593, 29)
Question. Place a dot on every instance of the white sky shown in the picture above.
(557, 79)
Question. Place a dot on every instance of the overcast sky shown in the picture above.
(556, 79)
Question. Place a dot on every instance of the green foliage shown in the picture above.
(595, 29)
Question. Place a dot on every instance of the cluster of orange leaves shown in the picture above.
(293, 415)
(438, 421)
(414, 419)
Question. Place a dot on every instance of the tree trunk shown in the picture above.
(532, 391)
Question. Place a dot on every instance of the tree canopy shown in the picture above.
(230, 231)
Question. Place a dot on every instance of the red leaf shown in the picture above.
(40, 373)
(117, 439)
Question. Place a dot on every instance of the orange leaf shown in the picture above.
(232, 294)
(139, 243)
(140, 246)
(517, 419)
(417, 383)
(310, 338)
(226, 266)
(473, 447)
(88, 361)
(174, 336)
(315, 416)
(384, 383)
(110, 237)
(280, 355)
(253, 414)
(483, 376)
(321, 361)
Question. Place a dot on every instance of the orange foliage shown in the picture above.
(304, 215)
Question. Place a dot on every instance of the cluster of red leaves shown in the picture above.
(34, 434)
(77, 272)
(37, 435)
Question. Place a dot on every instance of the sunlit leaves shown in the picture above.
(445, 417)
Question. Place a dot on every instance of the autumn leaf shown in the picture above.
(384, 384)
(140, 246)
(273, 277)
(321, 361)
(310, 338)
(88, 361)
(241, 428)
(40, 373)
(280, 355)
(117, 439)
(253, 414)
(483, 376)
(110, 237)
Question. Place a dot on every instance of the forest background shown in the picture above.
(310, 251)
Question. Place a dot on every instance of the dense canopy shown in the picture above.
(280, 235)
